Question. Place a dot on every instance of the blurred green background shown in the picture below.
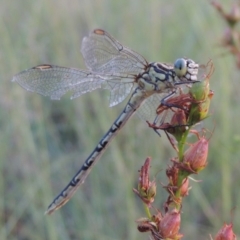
(44, 142)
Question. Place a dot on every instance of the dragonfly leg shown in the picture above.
(157, 132)
(171, 105)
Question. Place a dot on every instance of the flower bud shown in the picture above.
(232, 17)
(179, 119)
(201, 97)
(170, 225)
(200, 90)
(178, 124)
(184, 188)
(226, 233)
(196, 156)
(172, 174)
(146, 189)
(228, 39)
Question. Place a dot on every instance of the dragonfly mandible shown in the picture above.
(116, 68)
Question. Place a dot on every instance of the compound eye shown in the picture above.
(180, 67)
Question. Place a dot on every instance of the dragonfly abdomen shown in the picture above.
(133, 104)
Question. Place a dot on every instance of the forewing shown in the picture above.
(111, 66)
(55, 81)
(103, 54)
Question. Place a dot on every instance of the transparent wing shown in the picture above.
(111, 65)
(103, 54)
(55, 81)
(120, 87)
(147, 110)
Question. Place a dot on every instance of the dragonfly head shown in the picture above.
(186, 70)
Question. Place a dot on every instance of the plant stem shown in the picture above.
(147, 211)
(181, 144)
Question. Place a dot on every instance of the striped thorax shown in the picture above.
(160, 77)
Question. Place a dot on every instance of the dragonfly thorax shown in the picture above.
(157, 78)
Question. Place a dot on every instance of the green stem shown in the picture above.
(181, 144)
(147, 211)
(182, 174)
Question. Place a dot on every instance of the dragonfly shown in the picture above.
(123, 72)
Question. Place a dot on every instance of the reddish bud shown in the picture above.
(179, 118)
(217, 5)
(146, 189)
(226, 233)
(232, 17)
(177, 125)
(184, 188)
(172, 174)
(170, 225)
(196, 156)
(228, 40)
